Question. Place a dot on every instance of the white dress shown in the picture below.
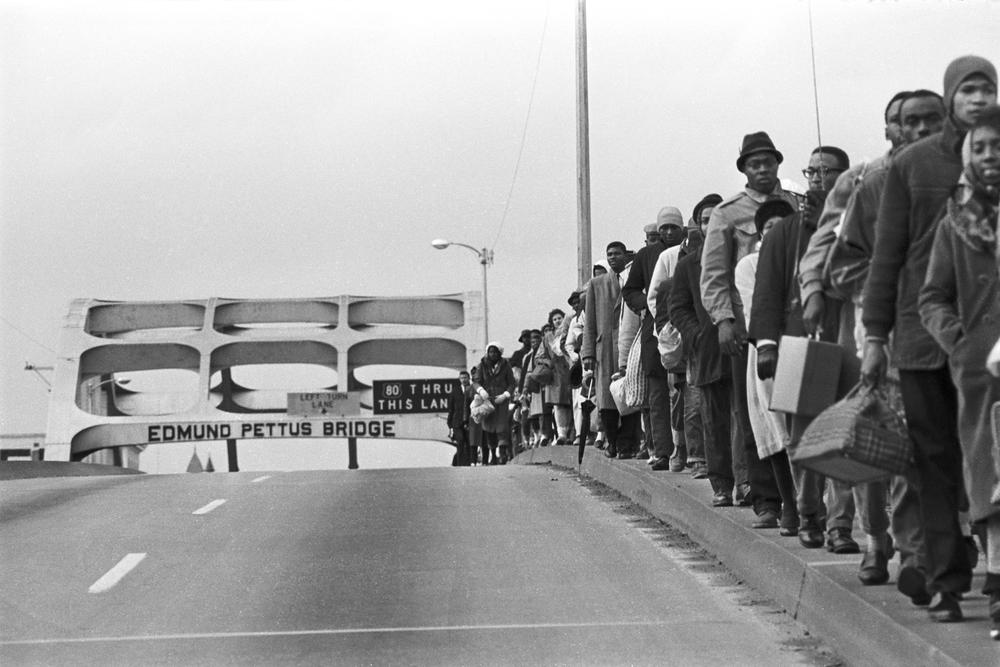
(769, 428)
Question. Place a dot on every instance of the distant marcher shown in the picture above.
(458, 418)
(496, 384)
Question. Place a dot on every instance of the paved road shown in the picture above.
(504, 565)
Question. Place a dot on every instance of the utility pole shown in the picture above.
(583, 238)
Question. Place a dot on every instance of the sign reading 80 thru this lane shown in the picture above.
(401, 397)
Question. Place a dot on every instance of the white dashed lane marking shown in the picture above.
(115, 574)
(209, 507)
(261, 479)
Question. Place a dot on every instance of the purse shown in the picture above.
(617, 390)
(636, 382)
(861, 438)
(670, 346)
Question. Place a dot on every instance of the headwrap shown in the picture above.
(973, 205)
(496, 344)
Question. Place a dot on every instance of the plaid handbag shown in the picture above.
(861, 438)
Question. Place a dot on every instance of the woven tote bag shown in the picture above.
(860, 438)
(636, 384)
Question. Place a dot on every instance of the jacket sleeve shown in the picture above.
(659, 283)
(626, 335)
(588, 350)
(938, 296)
(814, 260)
(682, 305)
(892, 239)
(770, 292)
(716, 268)
(634, 289)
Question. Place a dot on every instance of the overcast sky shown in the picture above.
(169, 150)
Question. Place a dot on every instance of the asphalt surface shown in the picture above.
(865, 625)
(445, 566)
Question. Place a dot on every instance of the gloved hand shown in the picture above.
(483, 394)
(767, 361)
(503, 397)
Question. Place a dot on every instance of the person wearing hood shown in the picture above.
(960, 308)
(917, 187)
(496, 384)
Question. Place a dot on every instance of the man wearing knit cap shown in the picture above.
(917, 186)
(634, 293)
(731, 236)
(652, 233)
(685, 399)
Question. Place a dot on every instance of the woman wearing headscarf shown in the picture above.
(559, 393)
(960, 307)
(496, 384)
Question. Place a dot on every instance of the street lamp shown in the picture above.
(485, 258)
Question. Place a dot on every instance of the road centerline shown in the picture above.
(116, 573)
(209, 507)
(260, 479)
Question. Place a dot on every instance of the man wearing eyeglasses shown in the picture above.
(777, 311)
(731, 235)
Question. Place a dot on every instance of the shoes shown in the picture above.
(911, 583)
(660, 463)
(874, 569)
(626, 455)
(599, 443)
(679, 460)
(722, 499)
(944, 607)
(743, 495)
(839, 541)
(699, 471)
(766, 519)
(789, 523)
(643, 454)
(810, 534)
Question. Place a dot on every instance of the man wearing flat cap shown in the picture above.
(731, 236)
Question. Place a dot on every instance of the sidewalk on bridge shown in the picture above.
(866, 625)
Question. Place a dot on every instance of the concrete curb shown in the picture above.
(865, 625)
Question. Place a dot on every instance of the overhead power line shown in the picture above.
(524, 132)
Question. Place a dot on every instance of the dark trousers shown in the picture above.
(659, 416)
(931, 404)
(463, 453)
(763, 488)
(715, 415)
(622, 433)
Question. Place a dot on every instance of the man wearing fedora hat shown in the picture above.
(731, 236)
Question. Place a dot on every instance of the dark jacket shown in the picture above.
(458, 406)
(777, 305)
(706, 362)
(634, 294)
(495, 382)
(917, 187)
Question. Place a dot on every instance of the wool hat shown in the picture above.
(669, 215)
(708, 200)
(757, 142)
(961, 69)
(650, 228)
(525, 335)
(496, 344)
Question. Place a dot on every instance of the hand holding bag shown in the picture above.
(617, 390)
(861, 438)
(670, 346)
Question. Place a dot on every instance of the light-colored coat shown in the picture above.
(600, 334)
(960, 307)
